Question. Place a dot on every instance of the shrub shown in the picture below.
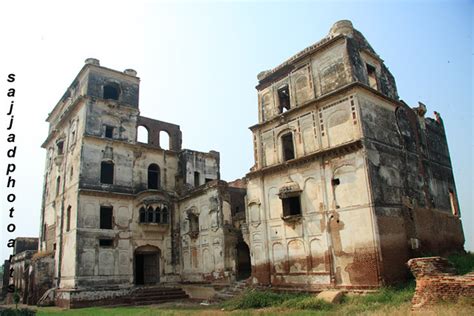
(254, 299)
(260, 299)
(464, 263)
(307, 302)
(17, 312)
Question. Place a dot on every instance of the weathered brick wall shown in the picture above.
(40, 277)
(436, 281)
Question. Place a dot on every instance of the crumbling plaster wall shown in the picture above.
(332, 123)
(97, 77)
(206, 164)
(207, 253)
(115, 264)
(59, 196)
(154, 129)
(341, 62)
(410, 177)
(333, 242)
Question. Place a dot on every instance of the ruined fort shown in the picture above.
(349, 182)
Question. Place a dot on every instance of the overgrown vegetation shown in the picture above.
(387, 297)
(464, 263)
(386, 301)
(17, 312)
(260, 299)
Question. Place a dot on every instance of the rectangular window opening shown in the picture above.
(106, 242)
(68, 219)
(291, 206)
(284, 99)
(60, 146)
(288, 147)
(107, 172)
(106, 213)
(197, 177)
(109, 131)
(193, 223)
(208, 180)
(372, 76)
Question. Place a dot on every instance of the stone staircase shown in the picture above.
(155, 295)
(225, 292)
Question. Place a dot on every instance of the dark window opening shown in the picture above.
(109, 131)
(106, 242)
(288, 147)
(58, 184)
(196, 179)
(372, 76)
(68, 218)
(284, 99)
(193, 224)
(60, 146)
(111, 91)
(164, 215)
(107, 172)
(44, 231)
(153, 176)
(244, 266)
(291, 206)
(150, 214)
(142, 215)
(335, 181)
(106, 213)
(208, 180)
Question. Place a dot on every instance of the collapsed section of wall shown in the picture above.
(436, 281)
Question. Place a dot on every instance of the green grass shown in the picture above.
(464, 263)
(125, 311)
(252, 299)
(386, 301)
(387, 297)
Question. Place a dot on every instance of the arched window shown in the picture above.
(288, 149)
(283, 98)
(107, 172)
(142, 134)
(142, 215)
(149, 214)
(157, 215)
(164, 140)
(111, 91)
(153, 176)
(164, 215)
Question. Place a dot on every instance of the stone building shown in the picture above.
(118, 212)
(16, 268)
(349, 182)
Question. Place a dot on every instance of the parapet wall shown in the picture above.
(436, 281)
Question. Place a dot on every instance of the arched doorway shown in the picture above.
(244, 267)
(147, 265)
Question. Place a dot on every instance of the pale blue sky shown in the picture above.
(198, 64)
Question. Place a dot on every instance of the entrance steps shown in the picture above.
(156, 294)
